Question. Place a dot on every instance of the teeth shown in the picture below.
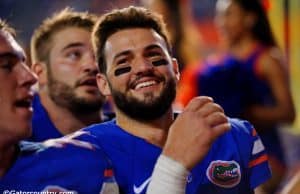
(145, 84)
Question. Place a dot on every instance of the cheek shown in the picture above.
(119, 82)
(166, 70)
(64, 72)
(6, 101)
(8, 89)
(63, 68)
(119, 75)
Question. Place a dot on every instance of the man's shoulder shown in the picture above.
(65, 150)
(106, 129)
(239, 126)
(112, 137)
(231, 158)
(103, 125)
(59, 162)
(242, 133)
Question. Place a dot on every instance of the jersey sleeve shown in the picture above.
(84, 163)
(258, 163)
(253, 153)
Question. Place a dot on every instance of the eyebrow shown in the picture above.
(153, 46)
(127, 52)
(75, 44)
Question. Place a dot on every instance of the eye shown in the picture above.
(160, 62)
(7, 67)
(8, 63)
(156, 57)
(122, 61)
(74, 55)
(122, 70)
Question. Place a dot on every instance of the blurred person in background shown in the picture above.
(184, 35)
(250, 80)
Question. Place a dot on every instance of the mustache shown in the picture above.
(89, 77)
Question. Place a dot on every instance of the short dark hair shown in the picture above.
(41, 39)
(120, 19)
(4, 26)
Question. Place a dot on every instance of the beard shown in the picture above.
(64, 95)
(151, 107)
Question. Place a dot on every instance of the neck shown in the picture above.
(7, 157)
(154, 131)
(243, 47)
(65, 120)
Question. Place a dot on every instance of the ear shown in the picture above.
(103, 84)
(40, 69)
(176, 68)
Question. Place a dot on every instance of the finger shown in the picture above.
(197, 102)
(216, 118)
(221, 129)
(210, 108)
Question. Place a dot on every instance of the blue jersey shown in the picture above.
(64, 164)
(236, 163)
(42, 126)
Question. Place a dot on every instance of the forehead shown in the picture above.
(226, 5)
(135, 39)
(69, 35)
(9, 45)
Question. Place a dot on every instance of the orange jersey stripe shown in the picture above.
(258, 160)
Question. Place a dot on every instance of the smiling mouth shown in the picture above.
(145, 84)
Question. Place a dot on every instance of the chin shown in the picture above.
(24, 130)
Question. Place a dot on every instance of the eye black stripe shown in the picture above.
(160, 62)
(122, 70)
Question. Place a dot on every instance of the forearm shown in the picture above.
(268, 116)
(169, 177)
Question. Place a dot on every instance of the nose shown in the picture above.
(26, 77)
(142, 65)
(89, 64)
